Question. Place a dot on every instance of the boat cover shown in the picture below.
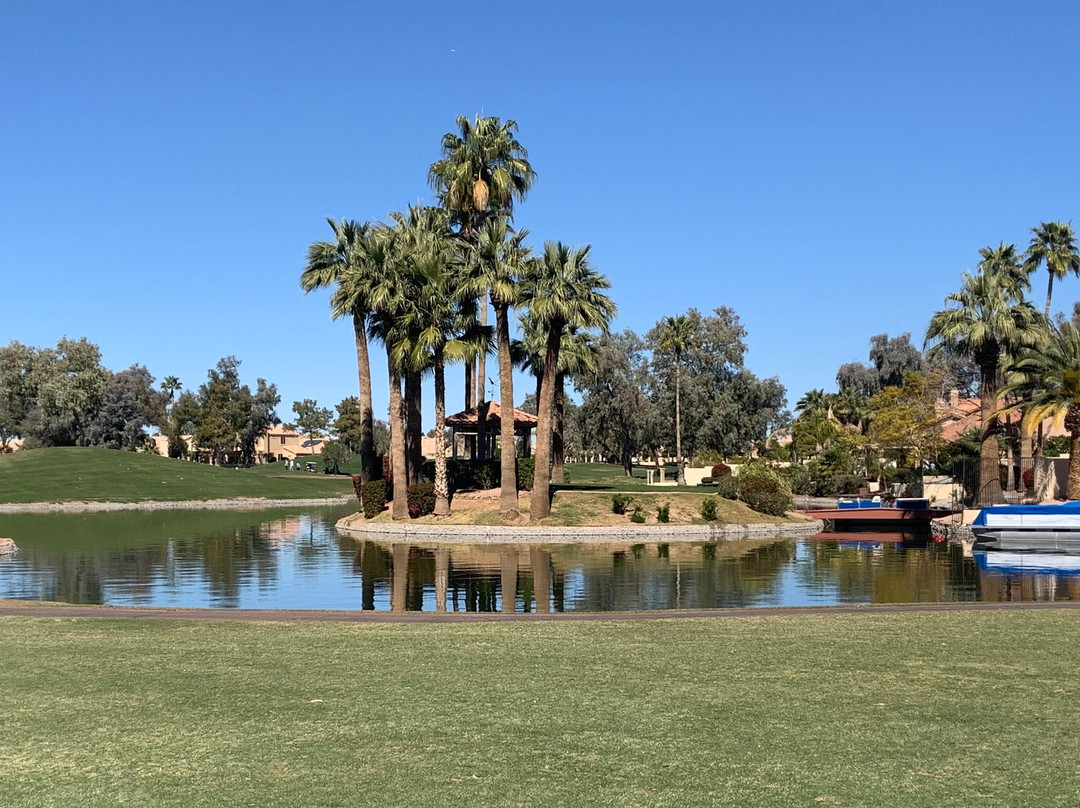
(1065, 515)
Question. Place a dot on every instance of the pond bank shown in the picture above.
(356, 525)
(242, 504)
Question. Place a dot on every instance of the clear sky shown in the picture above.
(827, 169)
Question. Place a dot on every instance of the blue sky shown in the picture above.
(826, 169)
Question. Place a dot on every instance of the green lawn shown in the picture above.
(105, 475)
(950, 708)
(608, 477)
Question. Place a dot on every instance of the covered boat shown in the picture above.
(1049, 528)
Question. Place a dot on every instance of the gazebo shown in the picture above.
(467, 424)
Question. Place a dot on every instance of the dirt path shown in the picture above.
(31, 609)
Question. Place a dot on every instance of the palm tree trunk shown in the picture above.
(680, 473)
(442, 488)
(508, 496)
(397, 445)
(368, 469)
(1072, 423)
(1049, 291)
(989, 474)
(414, 426)
(558, 446)
(540, 502)
(481, 392)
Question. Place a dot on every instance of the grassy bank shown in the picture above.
(904, 709)
(587, 509)
(104, 475)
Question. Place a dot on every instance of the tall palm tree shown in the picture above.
(346, 264)
(677, 336)
(1051, 375)
(440, 324)
(499, 261)
(988, 319)
(814, 402)
(565, 290)
(1053, 244)
(388, 294)
(483, 171)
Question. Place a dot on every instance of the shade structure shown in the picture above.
(467, 424)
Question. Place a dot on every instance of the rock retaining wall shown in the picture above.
(483, 534)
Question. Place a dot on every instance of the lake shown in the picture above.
(293, 558)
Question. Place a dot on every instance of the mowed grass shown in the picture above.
(608, 476)
(950, 708)
(105, 475)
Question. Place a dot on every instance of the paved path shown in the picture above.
(9, 609)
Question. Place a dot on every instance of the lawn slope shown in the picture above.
(105, 475)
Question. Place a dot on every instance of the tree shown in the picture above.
(129, 404)
(483, 171)
(348, 263)
(892, 358)
(68, 384)
(170, 386)
(262, 414)
(1054, 245)
(499, 262)
(616, 414)
(986, 319)
(677, 337)
(565, 290)
(312, 420)
(1051, 375)
(17, 390)
(904, 419)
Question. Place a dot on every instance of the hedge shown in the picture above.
(421, 499)
(374, 498)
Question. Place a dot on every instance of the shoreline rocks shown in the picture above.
(7, 546)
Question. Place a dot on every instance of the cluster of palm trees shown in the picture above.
(420, 285)
(1018, 350)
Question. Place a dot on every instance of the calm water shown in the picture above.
(295, 559)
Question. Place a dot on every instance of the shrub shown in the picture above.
(1028, 478)
(421, 498)
(462, 475)
(357, 484)
(720, 470)
(619, 503)
(798, 479)
(1053, 446)
(373, 498)
(727, 486)
(762, 489)
(706, 480)
(663, 513)
(708, 509)
(526, 470)
(637, 517)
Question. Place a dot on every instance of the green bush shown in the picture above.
(727, 486)
(637, 517)
(421, 498)
(663, 513)
(465, 475)
(708, 509)
(762, 489)
(707, 480)
(798, 479)
(373, 498)
(1053, 446)
(526, 470)
(619, 503)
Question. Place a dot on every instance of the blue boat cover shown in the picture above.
(1071, 508)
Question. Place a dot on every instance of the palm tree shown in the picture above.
(814, 402)
(1053, 244)
(988, 320)
(677, 336)
(441, 326)
(565, 290)
(346, 263)
(483, 171)
(1051, 375)
(499, 261)
(388, 295)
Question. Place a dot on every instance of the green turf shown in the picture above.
(957, 708)
(105, 475)
(610, 477)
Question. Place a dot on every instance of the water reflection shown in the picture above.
(296, 559)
